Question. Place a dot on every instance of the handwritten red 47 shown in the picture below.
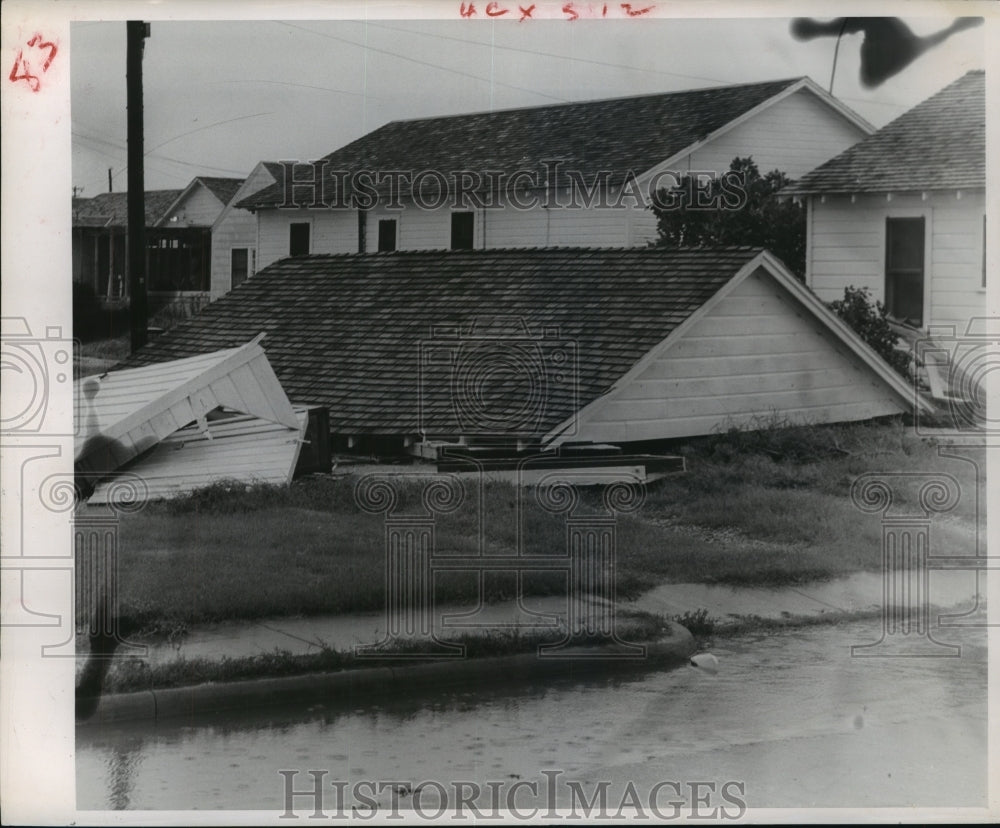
(29, 67)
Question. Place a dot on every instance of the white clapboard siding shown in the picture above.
(236, 227)
(589, 227)
(794, 135)
(757, 351)
(420, 230)
(138, 407)
(198, 207)
(331, 231)
(508, 226)
(642, 227)
(243, 448)
(847, 247)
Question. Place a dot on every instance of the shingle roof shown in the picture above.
(615, 135)
(111, 209)
(939, 144)
(222, 188)
(348, 331)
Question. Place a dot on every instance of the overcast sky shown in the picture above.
(221, 96)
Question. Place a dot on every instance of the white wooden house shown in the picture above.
(179, 230)
(619, 151)
(903, 213)
(234, 233)
(100, 234)
(183, 234)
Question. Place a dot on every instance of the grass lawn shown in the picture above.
(765, 508)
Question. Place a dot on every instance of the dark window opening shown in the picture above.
(462, 231)
(904, 269)
(386, 235)
(298, 239)
(178, 259)
(240, 265)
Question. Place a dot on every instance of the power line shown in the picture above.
(208, 126)
(421, 62)
(300, 85)
(155, 156)
(549, 54)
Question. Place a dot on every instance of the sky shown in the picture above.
(220, 96)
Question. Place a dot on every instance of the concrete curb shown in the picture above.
(366, 682)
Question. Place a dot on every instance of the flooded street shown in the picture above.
(790, 716)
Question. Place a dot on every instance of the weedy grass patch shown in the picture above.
(131, 675)
(768, 508)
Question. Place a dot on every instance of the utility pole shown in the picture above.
(137, 32)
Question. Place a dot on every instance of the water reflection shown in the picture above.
(782, 706)
(123, 763)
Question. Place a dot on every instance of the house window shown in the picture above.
(386, 235)
(462, 227)
(240, 265)
(298, 239)
(904, 269)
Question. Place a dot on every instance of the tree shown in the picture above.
(737, 208)
(868, 320)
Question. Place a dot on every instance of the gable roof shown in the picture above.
(262, 175)
(617, 135)
(111, 209)
(939, 144)
(222, 188)
(370, 336)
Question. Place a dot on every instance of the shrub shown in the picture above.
(869, 321)
(696, 622)
(759, 219)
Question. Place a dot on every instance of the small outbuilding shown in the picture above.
(411, 351)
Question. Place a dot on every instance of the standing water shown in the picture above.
(790, 719)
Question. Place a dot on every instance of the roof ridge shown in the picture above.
(490, 251)
(585, 101)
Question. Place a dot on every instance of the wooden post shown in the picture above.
(136, 32)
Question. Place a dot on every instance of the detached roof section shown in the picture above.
(127, 412)
(242, 447)
(613, 136)
(375, 338)
(939, 144)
